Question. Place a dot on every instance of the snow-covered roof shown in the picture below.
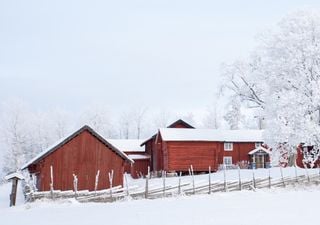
(260, 148)
(13, 175)
(69, 137)
(181, 134)
(138, 156)
(127, 145)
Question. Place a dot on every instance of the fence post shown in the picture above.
(296, 173)
(127, 186)
(179, 186)
(281, 172)
(75, 185)
(96, 182)
(51, 181)
(209, 180)
(307, 174)
(269, 177)
(147, 183)
(192, 175)
(225, 178)
(164, 183)
(110, 181)
(253, 179)
(239, 175)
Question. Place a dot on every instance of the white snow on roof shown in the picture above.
(12, 175)
(138, 156)
(258, 149)
(127, 145)
(181, 134)
(44, 152)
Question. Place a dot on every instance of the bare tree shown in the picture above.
(139, 119)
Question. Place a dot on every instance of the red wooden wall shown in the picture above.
(83, 156)
(180, 155)
(139, 168)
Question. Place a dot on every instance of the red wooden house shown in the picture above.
(82, 153)
(178, 149)
(136, 152)
(151, 146)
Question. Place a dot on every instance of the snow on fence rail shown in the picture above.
(166, 189)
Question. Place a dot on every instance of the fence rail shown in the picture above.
(181, 188)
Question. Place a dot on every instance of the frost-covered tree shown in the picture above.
(233, 115)
(125, 125)
(98, 117)
(162, 119)
(282, 77)
(132, 122)
(16, 134)
(60, 122)
(139, 120)
(310, 156)
(211, 119)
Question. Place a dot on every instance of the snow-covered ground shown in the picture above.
(261, 207)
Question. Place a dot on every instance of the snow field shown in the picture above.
(261, 207)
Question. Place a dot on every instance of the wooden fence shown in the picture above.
(150, 191)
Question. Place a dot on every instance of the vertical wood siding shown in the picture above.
(83, 156)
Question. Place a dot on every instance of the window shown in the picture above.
(257, 144)
(227, 160)
(228, 146)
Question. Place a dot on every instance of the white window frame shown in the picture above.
(257, 144)
(228, 146)
(227, 159)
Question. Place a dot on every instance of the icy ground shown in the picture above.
(263, 207)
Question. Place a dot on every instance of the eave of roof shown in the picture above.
(143, 143)
(65, 140)
(260, 148)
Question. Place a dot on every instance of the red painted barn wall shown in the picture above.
(180, 155)
(83, 156)
(140, 168)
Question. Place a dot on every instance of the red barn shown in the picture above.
(308, 156)
(178, 149)
(82, 153)
(136, 152)
(151, 146)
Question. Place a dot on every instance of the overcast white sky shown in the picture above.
(162, 54)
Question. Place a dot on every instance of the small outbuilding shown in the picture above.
(137, 153)
(83, 154)
(260, 157)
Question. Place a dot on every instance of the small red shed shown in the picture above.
(137, 153)
(82, 153)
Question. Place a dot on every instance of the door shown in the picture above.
(260, 159)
